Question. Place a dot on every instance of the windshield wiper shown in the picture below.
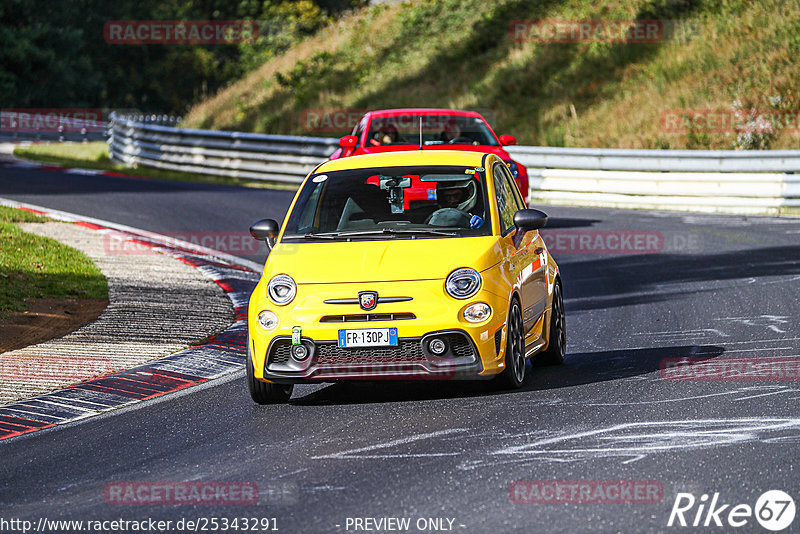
(311, 235)
(366, 233)
(396, 231)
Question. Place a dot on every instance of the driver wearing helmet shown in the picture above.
(459, 194)
(456, 199)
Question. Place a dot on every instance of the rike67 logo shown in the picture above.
(774, 510)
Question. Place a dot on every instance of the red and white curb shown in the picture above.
(220, 355)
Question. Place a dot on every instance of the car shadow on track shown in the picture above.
(591, 367)
(648, 278)
(578, 369)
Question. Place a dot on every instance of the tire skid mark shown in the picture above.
(623, 443)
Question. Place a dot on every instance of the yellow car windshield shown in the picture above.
(391, 203)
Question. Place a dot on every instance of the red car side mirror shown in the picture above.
(348, 141)
(506, 140)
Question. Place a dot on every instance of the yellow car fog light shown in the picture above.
(268, 320)
(437, 346)
(299, 352)
(478, 312)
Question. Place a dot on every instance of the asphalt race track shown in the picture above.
(713, 287)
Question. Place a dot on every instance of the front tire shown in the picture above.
(265, 392)
(557, 345)
(514, 374)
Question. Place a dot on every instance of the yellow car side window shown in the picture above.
(506, 204)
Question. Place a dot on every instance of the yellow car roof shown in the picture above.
(405, 158)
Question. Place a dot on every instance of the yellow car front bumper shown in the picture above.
(322, 310)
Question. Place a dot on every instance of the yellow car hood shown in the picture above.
(381, 261)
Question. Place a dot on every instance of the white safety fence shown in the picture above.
(693, 180)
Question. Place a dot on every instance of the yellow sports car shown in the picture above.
(362, 284)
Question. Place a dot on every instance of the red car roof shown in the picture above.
(421, 111)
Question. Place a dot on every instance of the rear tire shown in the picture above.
(514, 374)
(265, 392)
(557, 345)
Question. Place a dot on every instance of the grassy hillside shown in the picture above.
(724, 54)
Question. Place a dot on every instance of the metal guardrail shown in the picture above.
(620, 159)
(756, 193)
(734, 181)
(13, 127)
(715, 180)
(237, 154)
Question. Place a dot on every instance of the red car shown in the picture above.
(430, 129)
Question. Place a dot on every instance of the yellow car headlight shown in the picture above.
(463, 283)
(268, 320)
(281, 289)
(478, 312)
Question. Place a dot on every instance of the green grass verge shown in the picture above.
(33, 267)
(14, 215)
(95, 156)
(794, 212)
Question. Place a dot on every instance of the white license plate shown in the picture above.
(368, 337)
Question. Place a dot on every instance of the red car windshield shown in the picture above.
(436, 130)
